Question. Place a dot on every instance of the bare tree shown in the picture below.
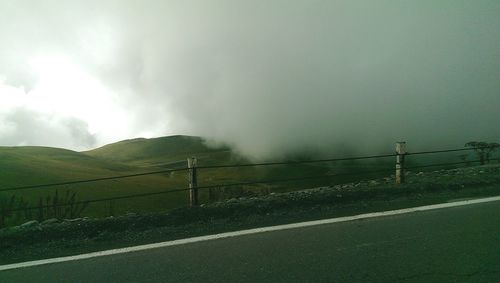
(483, 150)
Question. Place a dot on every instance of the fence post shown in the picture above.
(400, 162)
(193, 182)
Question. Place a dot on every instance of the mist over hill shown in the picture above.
(268, 78)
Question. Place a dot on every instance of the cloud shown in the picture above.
(276, 77)
(22, 126)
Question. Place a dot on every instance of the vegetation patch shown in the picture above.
(53, 237)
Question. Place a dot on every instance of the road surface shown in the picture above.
(459, 244)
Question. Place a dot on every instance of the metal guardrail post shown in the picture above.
(193, 182)
(400, 160)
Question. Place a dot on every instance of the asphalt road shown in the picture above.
(460, 244)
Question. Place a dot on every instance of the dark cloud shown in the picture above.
(274, 77)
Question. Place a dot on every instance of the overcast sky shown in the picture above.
(267, 77)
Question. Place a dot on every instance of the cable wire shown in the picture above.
(250, 183)
(444, 150)
(101, 199)
(89, 180)
(295, 162)
(337, 175)
(226, 166)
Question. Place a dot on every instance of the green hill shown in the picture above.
(34, 165)
(164, 151)
(25, 166)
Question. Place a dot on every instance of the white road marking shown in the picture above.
(247, 232)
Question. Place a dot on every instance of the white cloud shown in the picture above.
(268, 77)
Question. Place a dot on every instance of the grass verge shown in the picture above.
(55, 238)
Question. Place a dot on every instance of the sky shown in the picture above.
(268, 78)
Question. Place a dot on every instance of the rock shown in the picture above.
(30, 224)
(50, 221)
(73, 220)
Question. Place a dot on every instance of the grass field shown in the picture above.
(25, 166)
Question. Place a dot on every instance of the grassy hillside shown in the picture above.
(23, 166)
(35, 165)
(169, 151)
(172, 152)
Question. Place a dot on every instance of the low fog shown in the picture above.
(269, 78)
